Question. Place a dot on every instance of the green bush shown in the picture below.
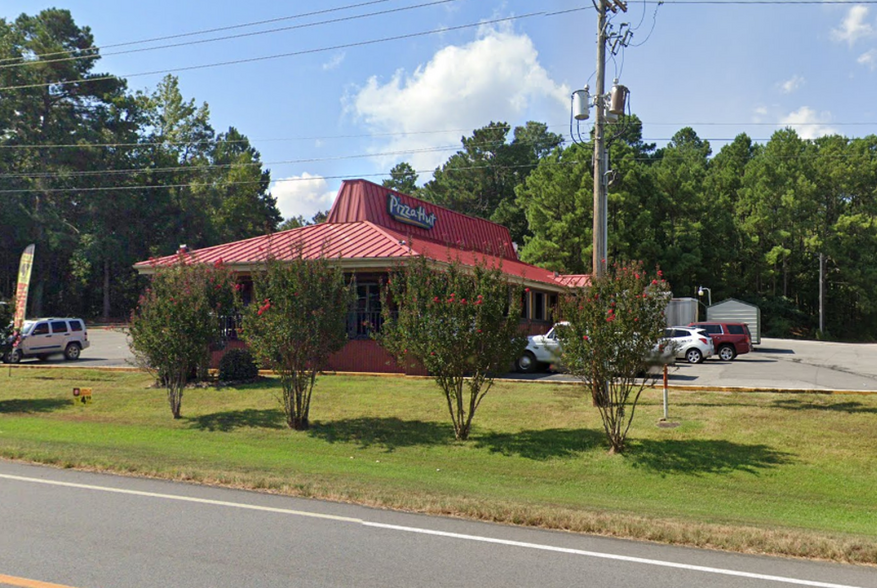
(236, 365)
(176, 322)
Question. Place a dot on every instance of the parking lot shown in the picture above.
(775, 364)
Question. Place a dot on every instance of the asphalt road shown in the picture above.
(88, 530)
(775, 364)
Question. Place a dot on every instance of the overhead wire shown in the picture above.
(206, 167)
(251, 182)
(438, 31)
(148, 144)
(225, 183)
(208, 31)
(229, 37)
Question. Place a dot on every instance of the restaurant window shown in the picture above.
(539, 311)
(365, 317)
(230, 322)
(552, 307)
(525, 303)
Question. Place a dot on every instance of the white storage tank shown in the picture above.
(681, 311)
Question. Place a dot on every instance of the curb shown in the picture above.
(676, 387)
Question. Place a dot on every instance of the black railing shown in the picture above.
(361, 325)
(228, 326)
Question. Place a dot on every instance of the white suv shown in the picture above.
(48, 336)
(692, 343)
(545, 350)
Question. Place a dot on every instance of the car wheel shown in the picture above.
(72, 351)
(527, 363)
(14, 356)
(727, 353)
(694, 355)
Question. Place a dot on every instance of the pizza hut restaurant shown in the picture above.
(370, 229)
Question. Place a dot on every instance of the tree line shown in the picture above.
(753, 222)
(100, 177)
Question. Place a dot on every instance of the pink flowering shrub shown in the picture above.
(614, 326)
(297, 319)
(177, 320)
(461, 323)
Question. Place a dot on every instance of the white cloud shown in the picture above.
(497, 77)
(868, 59)
(303, 195)
(808, 123)
(854, 26)
(335, 62)
(792, 84)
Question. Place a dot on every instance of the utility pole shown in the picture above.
(579, 112)
(600, 205)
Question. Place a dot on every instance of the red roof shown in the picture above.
(361, 200)
(353, 243)
(361, 234)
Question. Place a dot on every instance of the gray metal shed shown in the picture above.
(737, 311)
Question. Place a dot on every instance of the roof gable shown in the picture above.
(361, 200)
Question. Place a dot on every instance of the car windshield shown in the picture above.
(556, 330)
(27, 327)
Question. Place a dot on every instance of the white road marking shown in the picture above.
(465, 537)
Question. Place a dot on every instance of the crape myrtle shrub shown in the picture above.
(177, 321)
(462, 323)
(238, 365)
(614, 325)
(297, 319)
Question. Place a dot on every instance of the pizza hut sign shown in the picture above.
(410, 215)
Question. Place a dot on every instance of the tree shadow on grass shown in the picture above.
(236, 419)
(544, 443)
(388, 433)
(703, 456)
(847, 407)
(32, 405)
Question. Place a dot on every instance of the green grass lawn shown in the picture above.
(792, 474)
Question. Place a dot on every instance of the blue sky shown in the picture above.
(353, 99)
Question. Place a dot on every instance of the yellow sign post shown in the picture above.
(81, 395)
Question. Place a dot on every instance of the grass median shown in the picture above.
(788, 474)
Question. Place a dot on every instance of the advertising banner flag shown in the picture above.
(24, 271)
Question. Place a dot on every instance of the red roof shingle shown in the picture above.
(352, 236)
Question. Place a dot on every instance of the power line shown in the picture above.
(229, 37)
(251, 182)
(148, 144)
(207, 167)
(260, 164)
(252, 141)
(442, 30)
(758, 2)
(207, 31)
(223, 183)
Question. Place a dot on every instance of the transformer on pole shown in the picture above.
(607, 108)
